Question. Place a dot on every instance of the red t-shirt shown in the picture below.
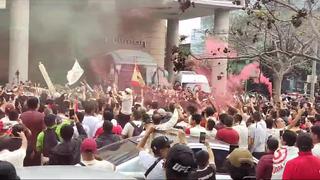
(305, 166)
(115, 130)
(228, 135)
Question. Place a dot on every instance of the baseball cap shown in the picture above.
(128, 90)
(160, 142)
(89, 145)
(7, 171)
(180, 160)
(162, 112)
(239, 156)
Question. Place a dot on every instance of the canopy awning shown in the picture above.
(126, 56)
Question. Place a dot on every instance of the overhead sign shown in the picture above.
(3, 4)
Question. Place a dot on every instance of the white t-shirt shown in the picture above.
(128, 128)
(14, 157)
(195, 131)
(102, 165)
(316, 150)
(146, 160)
(211, 133)
(126, 104)
(258, 131)
(280, 159)
(274, 133)
(91, 122)
(243, 134)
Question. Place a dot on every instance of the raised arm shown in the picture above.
(145, 138)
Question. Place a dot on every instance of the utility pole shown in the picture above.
(314, 73)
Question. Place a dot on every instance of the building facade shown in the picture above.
(58, 32)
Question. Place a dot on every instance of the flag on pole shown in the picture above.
(75, 73)
(137, 79)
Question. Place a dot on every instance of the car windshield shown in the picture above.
(119, 152)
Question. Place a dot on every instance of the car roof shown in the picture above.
(66, 172)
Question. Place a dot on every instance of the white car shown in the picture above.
(124, 155)
(67, 172)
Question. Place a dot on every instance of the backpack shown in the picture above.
(137, 130)
(50, 140)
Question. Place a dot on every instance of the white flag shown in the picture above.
(75, 73)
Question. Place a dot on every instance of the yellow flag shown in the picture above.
(137, 79)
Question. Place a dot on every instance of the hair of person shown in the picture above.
(272, 144)
(222, 117)
(197, 118)
(304, 142)
(156, 118)
(237, 118)
(274, 114)
(108, 115)
(89, 107)
(282, 113)
(202, 158)
(171, 107)
(66, 132)
(17, 128)
(154, 105)
(50, 120)
(33, 103)
(210, 124)
(256, 116)
(210, 111)
(316, 130)
(228, 121)
(232, 111)
(289, 137)
(269, 122)
(13, 115)
(107, 126)
(192, 109)
(136, 114)
(238, 172)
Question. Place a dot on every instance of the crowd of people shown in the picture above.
(38, 129)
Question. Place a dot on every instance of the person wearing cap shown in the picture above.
(306, 165)
(265, 164)
(16, 157)
(240, 163)
(8, 171)
(177, 113)
(180, 162)
(153, 164)
(88, 153)
(126, 106)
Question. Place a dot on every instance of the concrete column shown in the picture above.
(19, 40)
(172, 40)
(219, 67)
